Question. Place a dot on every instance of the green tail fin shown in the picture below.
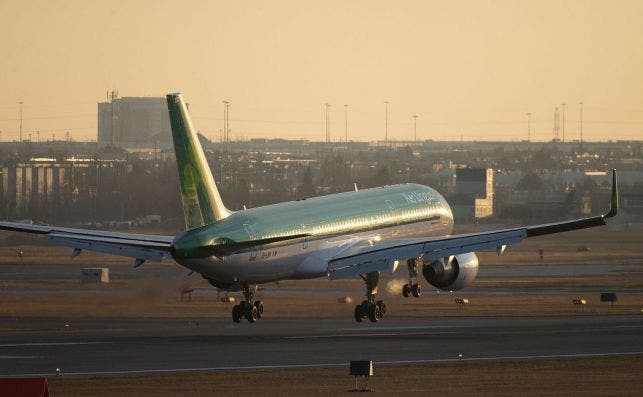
(202, 203)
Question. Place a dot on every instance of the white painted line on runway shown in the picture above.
(368, 335)
(173, 370)
(5, 357)
(509, 358)
(36, 344)
(320, 365)
(401, 328)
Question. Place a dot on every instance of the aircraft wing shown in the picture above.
(385, 256)
(139, 246)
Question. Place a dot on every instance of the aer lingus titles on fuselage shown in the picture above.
(354, 234)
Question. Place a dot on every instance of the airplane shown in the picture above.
(360, 233)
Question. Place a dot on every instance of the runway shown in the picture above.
(128, 346)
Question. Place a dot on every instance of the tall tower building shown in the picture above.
(134, 122)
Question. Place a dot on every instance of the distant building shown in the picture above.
(632, 205)
(5, 192)
(132, 122)
(473, 197)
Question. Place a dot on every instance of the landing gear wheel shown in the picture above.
(382, 307)
(236, 314)
(416, 290)
(259, 306)
(358, 313)
(252, 314)
(375, 313)
(370, 308)
(406, 291)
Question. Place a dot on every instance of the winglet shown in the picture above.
(614, 200)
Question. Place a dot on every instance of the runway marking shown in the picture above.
(504, 358)
(367, 335)
(402, 328)
(374, 332)
(320, 365)
(50, 344)
(6, 357)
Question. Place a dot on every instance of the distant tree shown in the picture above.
(112, 151)
(306, 189)
(542, 159)
(335, 173)
(531, 183)
(382, 176)
(589, 185)
(405, 153)
(242, 193)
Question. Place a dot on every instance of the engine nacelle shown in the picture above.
(452, 273)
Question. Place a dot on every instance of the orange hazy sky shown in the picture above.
(466, 68)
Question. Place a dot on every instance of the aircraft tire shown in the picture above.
(382, 307)
(358, 313)
(236, 314)
(406, 291)
(417, 290)
(252, 314)
(259, 306)
(375, 313)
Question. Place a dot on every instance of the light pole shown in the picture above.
(20, 103)
(226, 106)
(563, 106)
(581, 122)
(327, 106)
(529, 127)
(346, 123)
(386, 123)
(415, 128)
(3, 193)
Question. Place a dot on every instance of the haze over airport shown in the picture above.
(469, 70)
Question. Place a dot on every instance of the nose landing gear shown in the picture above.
(371, 309)
(251, 310)
(413, 287)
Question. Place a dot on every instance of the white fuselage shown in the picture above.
(305, 259)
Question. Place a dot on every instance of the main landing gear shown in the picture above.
(374, 310)
(251, 310)
(413, 287)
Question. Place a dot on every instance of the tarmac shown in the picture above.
(104, 346)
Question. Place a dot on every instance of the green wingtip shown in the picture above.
(614, 201)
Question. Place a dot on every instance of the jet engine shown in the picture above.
(451, 273)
